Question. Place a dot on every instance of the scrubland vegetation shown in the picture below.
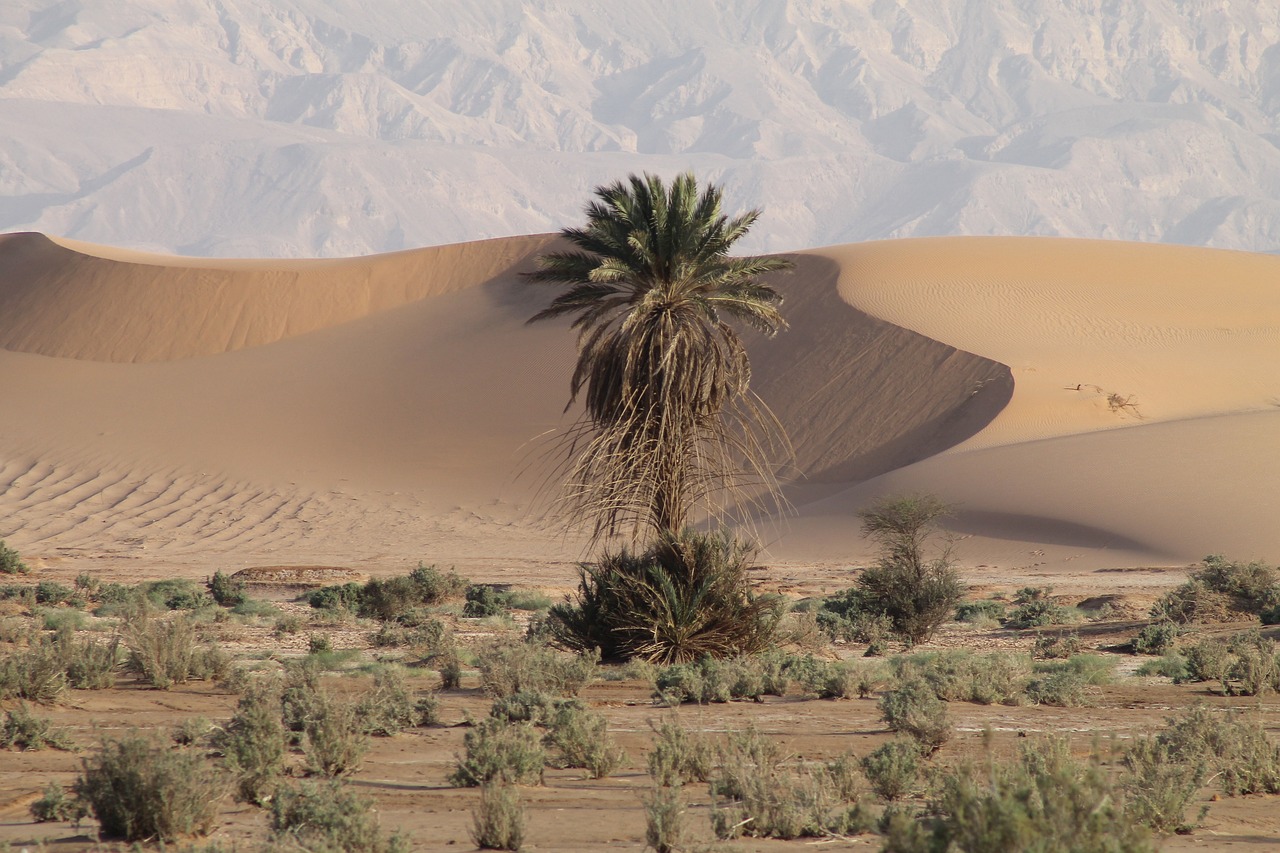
(525, 707)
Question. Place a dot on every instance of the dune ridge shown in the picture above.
(382, 410)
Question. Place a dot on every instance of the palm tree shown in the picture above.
(670, 424)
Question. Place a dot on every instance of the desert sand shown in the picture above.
(1102, 415)
(1084, 404)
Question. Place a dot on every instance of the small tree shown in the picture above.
(10, 561)
(917, 593)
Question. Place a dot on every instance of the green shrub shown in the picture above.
(174, 594)
(1033, 608)
(10, 562)
(826, 679)
(529, 707)
(498, 821)
(1244, 665)
(1157, 638)
(580, 738)
(425, 585)
(226, 592)
(88, 665)
(893, 768)
(1046, 802)
(915, 710)
(346, 596)
(1056, 646)
(254, 743)
(664, 819)
(987, 610)
(1219, 589)
(484, 600)
(24, 730)
(710, 680)
(679, 756)
(1064, 689)
(327, 818)
(507, 668)
(686, 598)
(1170, 665)
(495, 749)
(50, 592)
(1250, 585)
(55, 805)
(916, 593)
(140, 789)
(848, 617)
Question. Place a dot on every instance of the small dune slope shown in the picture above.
(77, 300)
(1145, 420)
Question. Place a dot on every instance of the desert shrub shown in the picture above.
(498, 821)
(36, 673)
(1159, 784)
(347, 596)
(825, 679)
(1193, 602)
(757, 795)
(679, 755)
(664, 819)
(915, 710)
(1064, 688)
(711, 680)
(528, 707)
(256, 608)
(1244, 665)
(61, 619)
(1169, 665)
(484, 600)
(959, 675)
(1045, 802)
(87, 583)
(327, 818)
(300, 700)
(88, 665)
(1056, 646)
(685, 598)
(1033, 608)
(496, 749)
(140, 789)
(10, 561)
(893, 768)
(174, 594)
(23, 730)
(225, 591)
(193, 731)
(55, 805)
(51, 592)
(580, 738)
(164, 652)
(987, 610)
(507, 668)
(1251, 586)
(848, 617)
(333, 736)
(1236, 749)
(386, 599)
(254, 743)
(388, 709)
(916, 593)
(1156, 638)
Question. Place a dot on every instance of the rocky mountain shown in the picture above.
(339, 127)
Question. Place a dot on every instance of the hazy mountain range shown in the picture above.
(339, 127)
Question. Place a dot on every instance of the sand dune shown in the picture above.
(202, 414)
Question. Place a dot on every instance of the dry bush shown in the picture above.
(23, 730)
(1033, 608)
(165, 652)
(507, 668)
(498, 821)
(915, 710)
(664, 819)
(140, 789)
(333, 736)
(496, 749)
(1236, 749)
(710, 680)
(959, 675)
(55, 805)
(254, 743)
(1056, 646)
(1160, 785)
(893, 768)
(36, 673)
(329, 818)
(580, 738)
(388, 709)
(679, 755)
